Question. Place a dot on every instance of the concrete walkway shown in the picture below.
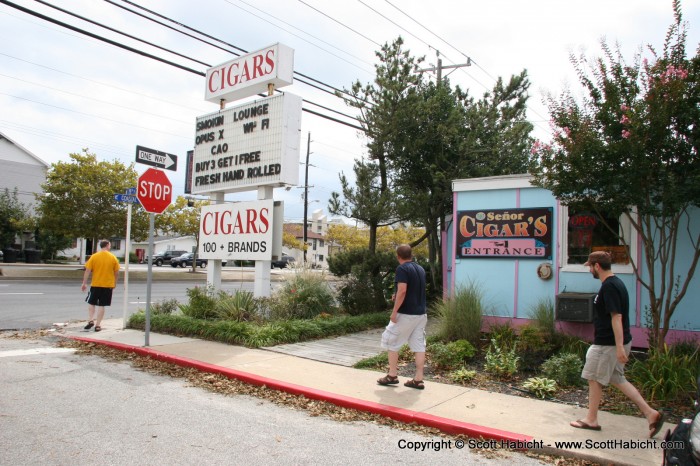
(453, 409)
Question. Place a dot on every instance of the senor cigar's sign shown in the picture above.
(505, 233)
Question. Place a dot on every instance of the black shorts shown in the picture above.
(98, 296)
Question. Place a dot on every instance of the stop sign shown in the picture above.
(154, 191)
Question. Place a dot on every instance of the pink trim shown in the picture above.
(515, 288)
(516, 281)
(585, 330)
(449, 426)
(638, 307)
(557, 250)
(454, 243)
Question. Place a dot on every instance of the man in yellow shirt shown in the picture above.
(104, 267)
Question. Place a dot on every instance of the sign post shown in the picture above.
(155, 192)
(130, 198)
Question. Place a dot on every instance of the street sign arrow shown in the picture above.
(156, 158)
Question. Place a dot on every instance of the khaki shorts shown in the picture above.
(407, 329)
(602, 365)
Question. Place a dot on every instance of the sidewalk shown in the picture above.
(451, 408)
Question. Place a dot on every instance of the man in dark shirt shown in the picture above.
(408, 318)
(606, 358)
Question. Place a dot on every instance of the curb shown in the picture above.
(449, 426)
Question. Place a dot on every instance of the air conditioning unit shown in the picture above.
(575, 307)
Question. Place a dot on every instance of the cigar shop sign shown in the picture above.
(505, 233)
(253, 144)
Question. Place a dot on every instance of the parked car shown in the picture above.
(186, 259)
(283, 261)
(166, 257)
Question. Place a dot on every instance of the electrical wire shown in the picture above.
(148, 55)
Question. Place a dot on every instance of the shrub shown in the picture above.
(460, 316)
(564, 343)
(666, 375)
(501, 361)
(451, 355)
(504, 334)
(305, 295)
(166, 306)
(564, 368)
(202, 301)
(462, 375)
(534, 347)
(239, 306)
(541, 386)
(542, 314)
(368, 279)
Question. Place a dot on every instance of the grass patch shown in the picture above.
(254, 335)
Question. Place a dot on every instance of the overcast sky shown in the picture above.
(61, 91)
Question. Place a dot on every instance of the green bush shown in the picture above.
(564, 368)
(533, 346)
(462, 375)
(451, 355)
(239, 306)
(305, 295)
(504, 334)
(501, 361)
(202, 303)
(564, 343)
(542, 314)
(541, 386)
(166, 306)
(368, 280)
(254, 334)
(666, 375)
(460, 316)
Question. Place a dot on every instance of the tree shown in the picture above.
(449, 136)
(391, 93)
(630, 148)
(12, 215)
(182, 218)
(78, 199)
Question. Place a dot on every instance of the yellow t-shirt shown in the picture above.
(103, 265)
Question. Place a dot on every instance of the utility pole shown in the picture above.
(439, 67)
(306, 192)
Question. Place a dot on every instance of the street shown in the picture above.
(58, 407)
(32, 303)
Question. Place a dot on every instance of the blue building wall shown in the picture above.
(512, 287)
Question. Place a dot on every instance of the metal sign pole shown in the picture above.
(149, 278)
(126, 264)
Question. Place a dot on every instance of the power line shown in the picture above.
(342, 24)
(296, 35)
(131, 49)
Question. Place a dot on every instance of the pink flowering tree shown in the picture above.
(629, 148)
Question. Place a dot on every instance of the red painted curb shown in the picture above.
(449, 426)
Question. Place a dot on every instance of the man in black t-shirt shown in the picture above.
(612, 342)
(408, 318)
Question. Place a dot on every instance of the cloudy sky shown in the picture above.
(61, 91)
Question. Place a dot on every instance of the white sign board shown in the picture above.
(249, 145)
(250, 74)
(240, 231)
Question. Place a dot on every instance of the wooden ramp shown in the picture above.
(344, 351)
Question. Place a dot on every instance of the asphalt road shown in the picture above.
(39, 303)
(57, 407)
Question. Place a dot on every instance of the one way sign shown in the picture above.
(156, 158)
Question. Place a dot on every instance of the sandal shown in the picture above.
(89, 325)
(413, 383)
(388, 380)
(98, 328)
